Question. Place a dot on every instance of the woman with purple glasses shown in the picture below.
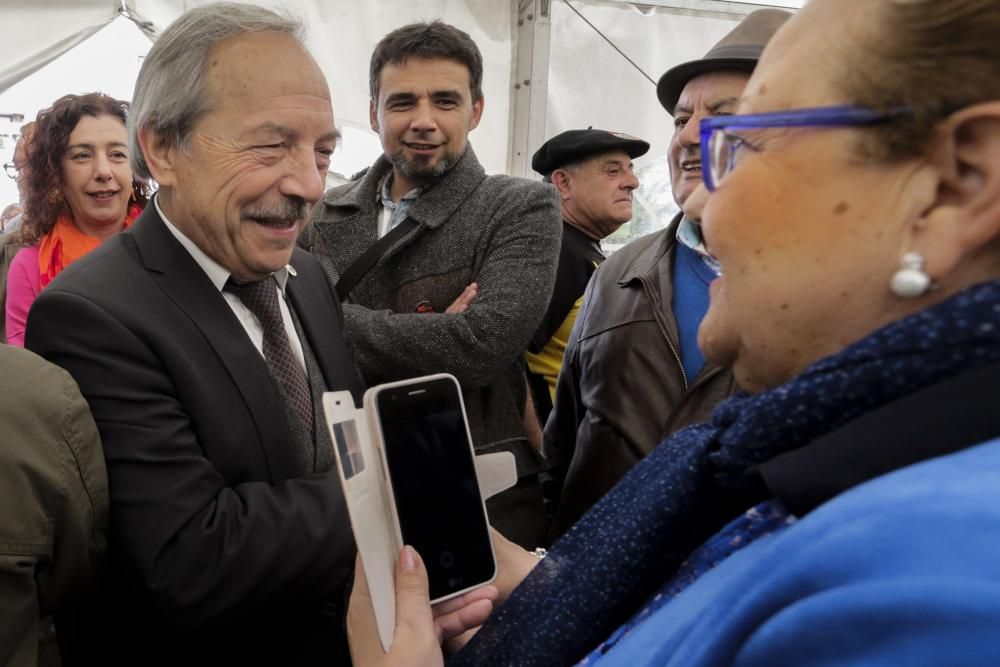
(845, 509)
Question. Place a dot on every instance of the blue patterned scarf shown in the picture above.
(700, 478)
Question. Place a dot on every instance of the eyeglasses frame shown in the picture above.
(843, 115)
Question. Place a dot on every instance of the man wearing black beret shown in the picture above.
(592, 170)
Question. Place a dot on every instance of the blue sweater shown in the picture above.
(902, 570)
(691, 279)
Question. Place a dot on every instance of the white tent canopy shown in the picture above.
(548, 64)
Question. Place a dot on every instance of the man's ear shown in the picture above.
(477, 112)
(964, 216)
(159, 157)
(561, 179)
(373, 115)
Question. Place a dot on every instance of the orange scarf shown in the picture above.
(66, 243)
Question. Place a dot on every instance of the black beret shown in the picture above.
(574, 145)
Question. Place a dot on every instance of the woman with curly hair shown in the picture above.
(80, 191)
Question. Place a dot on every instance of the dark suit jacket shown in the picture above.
(218, 546)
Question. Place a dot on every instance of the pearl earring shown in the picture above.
(911, 280)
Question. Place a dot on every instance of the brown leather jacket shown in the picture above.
(622, 388)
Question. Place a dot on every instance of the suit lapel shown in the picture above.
(360, 228)
(185, 283)
(314, 303)
(442, 199)
(439, 202)
(431, 210)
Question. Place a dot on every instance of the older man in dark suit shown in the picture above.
(203, 340)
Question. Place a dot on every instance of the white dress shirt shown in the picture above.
(218, 274)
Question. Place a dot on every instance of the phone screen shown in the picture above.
(434, 482)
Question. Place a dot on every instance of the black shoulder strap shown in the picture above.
(362, 265)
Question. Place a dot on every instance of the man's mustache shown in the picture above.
(288, 209)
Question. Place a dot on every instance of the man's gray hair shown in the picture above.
(169, 95)
(574, 167)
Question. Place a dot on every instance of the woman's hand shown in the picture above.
(419, 629)
(513, 564)
(463, 614)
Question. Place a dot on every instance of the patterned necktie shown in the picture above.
(261, 298)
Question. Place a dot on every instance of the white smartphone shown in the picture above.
(429, 460)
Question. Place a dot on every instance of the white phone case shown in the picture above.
(370, 502)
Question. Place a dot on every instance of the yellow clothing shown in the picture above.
(549, 360)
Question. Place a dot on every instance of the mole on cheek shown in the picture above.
(840, 208)
(762, 89)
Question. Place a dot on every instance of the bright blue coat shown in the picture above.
(902, 570)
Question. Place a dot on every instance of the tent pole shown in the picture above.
(530, 79)
(125, 8)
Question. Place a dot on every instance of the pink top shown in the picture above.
(23, 285)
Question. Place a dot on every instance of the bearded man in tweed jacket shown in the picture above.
(464, 289)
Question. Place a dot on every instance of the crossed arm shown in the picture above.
(478, 337)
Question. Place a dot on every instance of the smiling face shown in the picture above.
(706, 95)
(807, 232)
(96, 177)
(597, 195)
(242, 188)
(423, 117)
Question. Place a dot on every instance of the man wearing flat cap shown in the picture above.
(592, 170)
(633, 373)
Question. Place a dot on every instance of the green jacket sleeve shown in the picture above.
(54, 495)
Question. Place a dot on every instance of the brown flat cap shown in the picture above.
(739, 50)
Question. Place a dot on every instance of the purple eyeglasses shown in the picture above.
(720, 144)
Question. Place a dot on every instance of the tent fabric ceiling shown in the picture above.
(341, 35)
(617, 96)
(588, 83)
(36, 33)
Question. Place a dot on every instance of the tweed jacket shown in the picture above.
(498, 231)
